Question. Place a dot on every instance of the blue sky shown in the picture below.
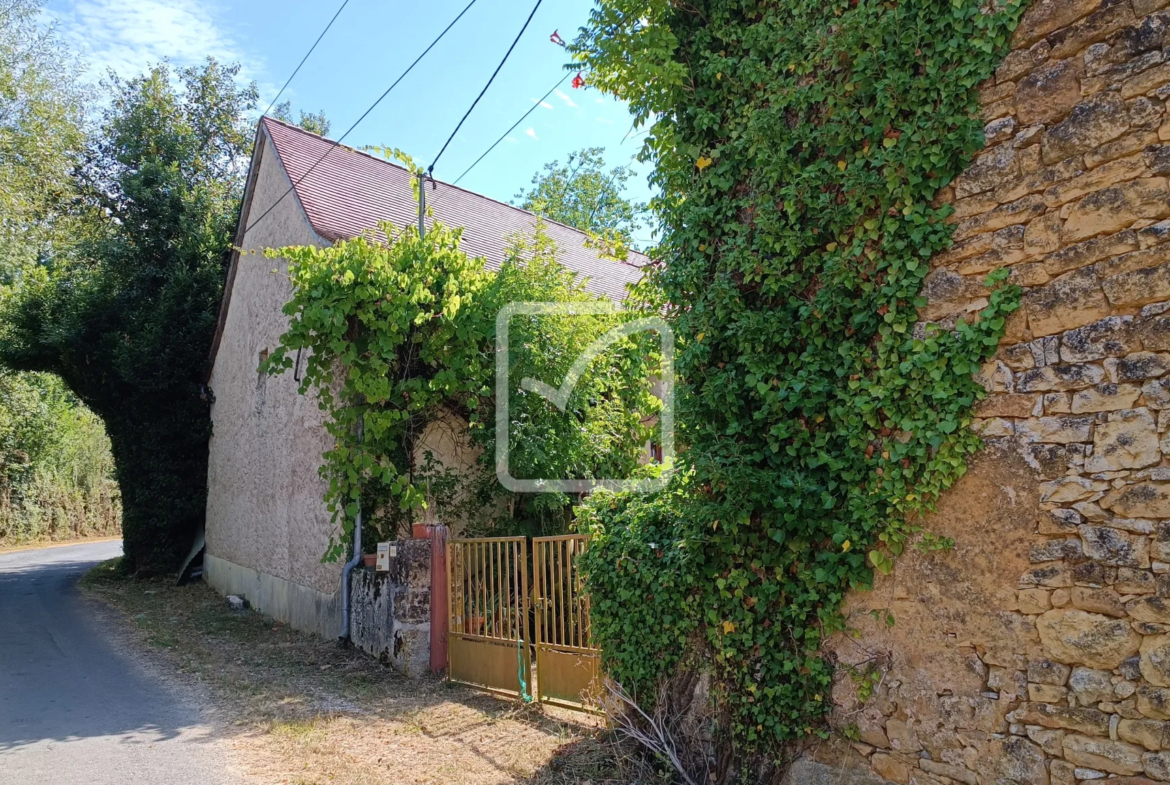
(369, 45)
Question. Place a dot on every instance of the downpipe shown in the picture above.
(347, 570)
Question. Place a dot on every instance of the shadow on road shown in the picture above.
(62, 678)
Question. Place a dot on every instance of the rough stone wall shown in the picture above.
(391, 611)
(1038, 650)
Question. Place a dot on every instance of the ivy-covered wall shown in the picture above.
(1038, 649)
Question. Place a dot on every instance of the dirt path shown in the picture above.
(300, 710)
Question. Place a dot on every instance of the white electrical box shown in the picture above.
(386, 552)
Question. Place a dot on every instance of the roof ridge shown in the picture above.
(381, 160)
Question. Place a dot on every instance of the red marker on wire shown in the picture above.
(556, 38)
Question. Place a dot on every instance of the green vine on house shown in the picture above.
(802, 149)
(400, 332)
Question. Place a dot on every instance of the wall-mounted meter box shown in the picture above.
(386, 552)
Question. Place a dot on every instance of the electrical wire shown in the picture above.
(337, 143)
(431, 168)
(306, 57)
(523, 117)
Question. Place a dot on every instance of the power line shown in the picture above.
(523, 117)
(363, 117)
(431, 168)
(306, 57)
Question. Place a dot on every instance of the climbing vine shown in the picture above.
(803, 150)
(399, 335)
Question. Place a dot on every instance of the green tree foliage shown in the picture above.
(801, 148)
(401, 335)
(56, 471)
(583, 195)
(313, 122)
(40, 136)
(128, 323)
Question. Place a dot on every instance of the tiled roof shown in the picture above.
(350, 192)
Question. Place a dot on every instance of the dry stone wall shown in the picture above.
(1038, 650)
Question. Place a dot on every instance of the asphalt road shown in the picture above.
(75, 707)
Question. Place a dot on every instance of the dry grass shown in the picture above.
(299, 710)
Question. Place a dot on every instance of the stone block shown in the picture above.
(1054, 575)
(1152, 610)
(1157, 765)
(1093, 122)
(1056, 430)
(1089, 721)
(1090, 686)
(1104, 601)
(1110, 337)
(1113, 548)
(1071, 300)
(1140, 500)
(1046, 693)
(890, 768)
(1062, 521)
(1008, 405)
(1064, 490)
(1105, 398)
(1018, 212)
(989, 169)
(1154, 333)
(1153, 702)
(1115, 208)
(1155, 660)
(1054, 550)
(1086, 182)
(1013, 759)
(1144, 733)
(1091, 251)
(1128, 439)
(1060, 378)
(1139, 366)
(1117, 757)
(1033, 601)
(1073, 636)
(1145, 82)
(1097, 26)
(1048, 672)
(1131, 581)
(1048, 16)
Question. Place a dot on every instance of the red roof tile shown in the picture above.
(350, 192)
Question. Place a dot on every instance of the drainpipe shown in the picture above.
(357, 557)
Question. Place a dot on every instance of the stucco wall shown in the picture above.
(265, 512)
(1038, 650)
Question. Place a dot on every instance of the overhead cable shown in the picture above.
(337, 143)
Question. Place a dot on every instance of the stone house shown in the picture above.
(1038, 650)
(267, 525)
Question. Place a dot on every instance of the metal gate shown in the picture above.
(488, 637)
(567, 664)
(487, 600)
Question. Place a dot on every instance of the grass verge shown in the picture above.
(300, 710)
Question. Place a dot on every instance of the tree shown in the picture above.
(128, 323)
(313, 122)
(41, 136)
(582, 194)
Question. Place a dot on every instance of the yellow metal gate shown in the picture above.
(567, 664)
(487, 599)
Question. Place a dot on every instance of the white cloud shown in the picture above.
(129, 37)
(599, 100)
(545, 104)
(510, 139)
(566, 99)
(531, 132)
